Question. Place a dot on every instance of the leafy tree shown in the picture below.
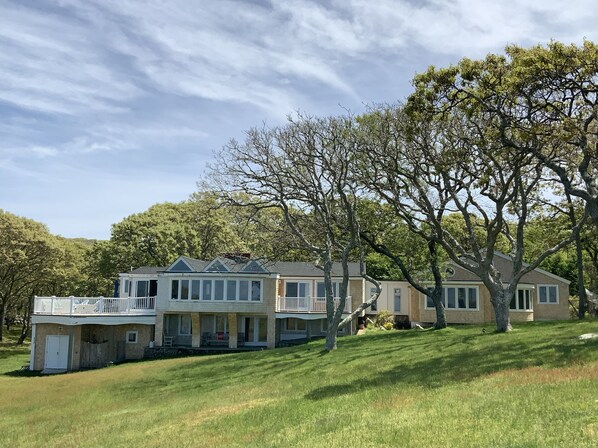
(28, 256)
(490, 180)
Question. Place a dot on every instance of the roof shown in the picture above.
(147, 270)
(503, 263)
(247, 266)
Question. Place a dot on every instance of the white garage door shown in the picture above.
(57, 352)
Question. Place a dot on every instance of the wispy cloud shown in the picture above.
(117, 89)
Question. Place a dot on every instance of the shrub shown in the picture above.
(384, 319)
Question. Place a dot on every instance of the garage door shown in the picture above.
(57, 352)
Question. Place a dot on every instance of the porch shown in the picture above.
(94, 306)
(308, 304)
(214, 330)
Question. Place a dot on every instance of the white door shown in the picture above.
(57, 352)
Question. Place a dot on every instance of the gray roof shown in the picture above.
(284, 268)
(147, 270)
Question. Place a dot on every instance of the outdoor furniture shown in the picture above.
(168, 340)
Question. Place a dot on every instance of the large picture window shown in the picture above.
(457, 298)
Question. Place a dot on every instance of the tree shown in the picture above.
(411, 245)
(304, 169)
(495, 186)
(28, 254)
(201, 228)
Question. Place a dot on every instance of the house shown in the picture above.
(540, 296)
(230, 302)
(234, 302)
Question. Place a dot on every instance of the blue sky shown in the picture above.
(110, 106)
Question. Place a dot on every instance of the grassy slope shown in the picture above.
(536, 386)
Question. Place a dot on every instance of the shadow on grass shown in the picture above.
(429, 358)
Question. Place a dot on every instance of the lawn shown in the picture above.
(534, 387)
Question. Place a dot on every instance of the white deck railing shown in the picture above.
(308, 304)
(93, 306)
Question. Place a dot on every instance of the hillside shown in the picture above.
(461, 386)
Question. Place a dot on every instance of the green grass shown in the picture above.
(533, 387)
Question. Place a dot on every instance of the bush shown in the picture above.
(384, 319)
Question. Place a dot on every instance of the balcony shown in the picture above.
(95, 306)
(308, 304)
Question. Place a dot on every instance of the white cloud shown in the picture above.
(140, 93)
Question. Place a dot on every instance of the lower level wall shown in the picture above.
(92, 346)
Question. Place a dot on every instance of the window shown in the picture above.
(184, 289)
(221, 324)
(174, 290)
(429, 300)
(256, 290)
(548, 294)
(243, 290)
(126, 287)
(206, 290)
(195, 289)
(297, 289)
(521, 301)
(397, 300)
(294, 324)
(184, 324)
(218, 289)
(321, 289)
(231, 290)
(142, 288)
(456, 298)
(374, 306)
(131, 337)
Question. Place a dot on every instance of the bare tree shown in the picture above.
(392, 172)
(305, 169)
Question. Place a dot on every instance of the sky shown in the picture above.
(110, 106)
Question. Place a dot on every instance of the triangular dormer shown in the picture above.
(180, 265)
(216, 266)
(254, 267)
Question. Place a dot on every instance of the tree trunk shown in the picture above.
(583, 300)
(26, 322)
(331, 338)
(436, 295)
(437, 291)
(500, 301)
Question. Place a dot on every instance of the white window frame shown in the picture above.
(202, 281)
(129, 333)
(548, 302)
(530, 291)
(456, 288)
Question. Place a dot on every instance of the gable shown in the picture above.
(180, 266)
(216, 266)
(253, 267)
